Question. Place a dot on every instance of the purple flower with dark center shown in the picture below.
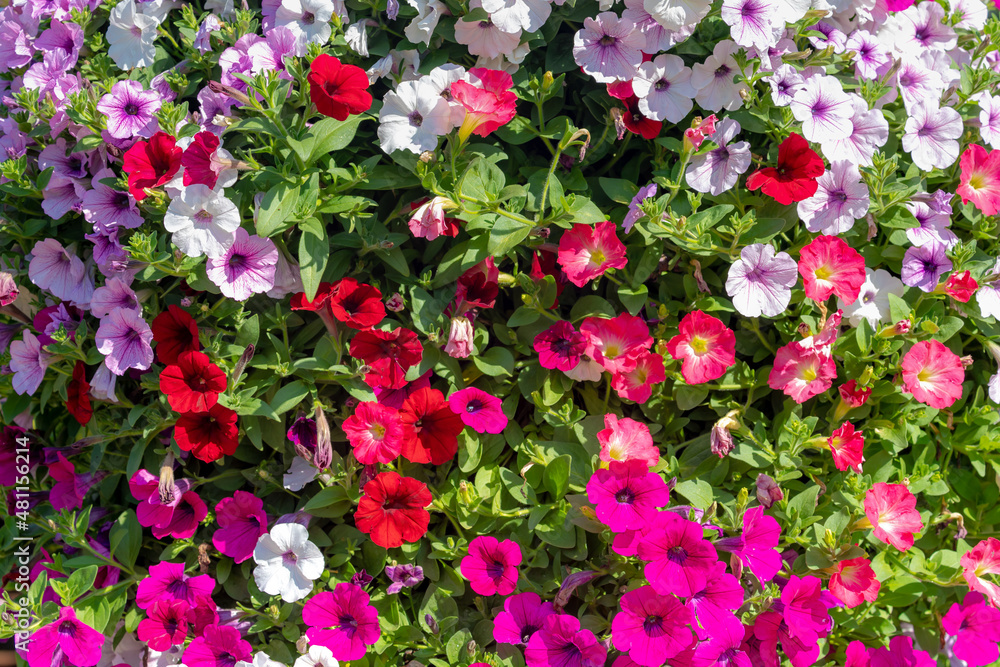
(824, 109)
(361, 578)
(403, 576)
(933, 227)
(785, 82)
(48, 320)
(130, 110)
(719, 169)
(65, 36)
(114, 294)
(108, 209)
(66, 640)
(608, 48)
(54, 155)
(522, 616)
(832, 36)
(869, 54)
(245, 269)
(924, 265)
(124, 339)
(213, 105)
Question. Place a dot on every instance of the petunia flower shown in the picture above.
(608, 48)
(854, 582)
(841, 198)
(343, 620)
(168, 581)
(308, 20)
(129, 110)
(193, 384)
(934, 224)
(202, 222)
(587, 251)
(616, 344)
(651, 627)
(124, 339)
(824, 109)
(389, 354)
(847, 447)
(752, 22)
(491, 565)
(981, 560)
(760, 282)
(932, 134)
(65, 639)
(28, 362)
(53, 268)
(713, 606)
(924, 265)
(636, 383)
(872, 303)
(664, 88)
(625, 439)
(869, 54)
(719, 169)
(242, 521)
(989, 119)
(723, 647)
(714, 78)
(287, 562)
(338, 90)
(165, 625)
(976, 626)
(560, 346)
(130, 36)
(757, 545)
(208, 435)
(173, 510)
(152, 163)
(560, 636)
(794, 179)
(403, 576)
(175, 332)
(892, 511)
(513, 15)
(678, 559)
(485, 38)
(626, 495)
(358, 305)
(802, 370)
(706, 346)
(391, 510)
(375, 432)
(77, 395)
(245, 268)
(980, 179)
(677, 14)
(522, 616)
(206, 162)
(480, 411)
(216, 645)
(869, 132)
(69, 488)
(430, 427)
(829, 266)
(487, 100)
(933, 374)
(428, 221)
(413, 117)
(803, 610)
(960, 286)
(769, 629)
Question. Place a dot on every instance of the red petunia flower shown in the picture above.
(323, 294)
(174, 332)
(430, 428)
(208, 435)
(152, 163)
(488, 105)
(77, 397)
(389, 353)
(338, 90)
(961, 286)
(392, 510)
(636, 123)
(357, 305)
(199, 160)
(794, 179)
(193, 384)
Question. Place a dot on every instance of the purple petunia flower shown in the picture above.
(719, 169)
(69, 166)
(522, 616)
(760, 282)
(130, 110)
(831, 36)
(924, 265)
(107, 209)
(246, 268)
(62, 195)
(124, 340)
(480, 411)
(403, 576)
(560, 641)
(16, 49)
(841, 198)
(635, 206)
(52, 268)
(28, 361)
(934, 223)
(65, 36)
(48, 320)
(824, 109)
(114, 294)
(203, 38)
(869, 131)
(608, 48)
(917, 82)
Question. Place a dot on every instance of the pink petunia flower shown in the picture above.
(168, 581)
(165, 625)
(933, 374)
(65, 639)
(807, 617)
(981, 560)
(522, 616)
(217, 646)
(560, 641)
(757, 545)
(651, 627)
(892, 511)
(976, 627)
(174, 510)
(488, 105)
(343, 620)
(491, 565)
(480, 411)
(587, 251)
(706, 345)
(802, 370)
(375, 432)
(829, 266)
(769, 629)
(636, 384)
(679, 560)
(626, 495)
(560, 346)
(854, 582)
(847, 447)
(900, 652)
(713, 606)
(624, 439)
(242, 521)
(980, 182)
(723, 647)
(617, 343)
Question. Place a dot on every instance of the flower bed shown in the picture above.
(501, 332)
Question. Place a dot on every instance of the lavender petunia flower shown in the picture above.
(130, 110)
(62, 195)
(841, 198)
(785, 82)
(719, 169)
(664, 89)
(28, 361)
(919, 28)
(916, 82)
(760, 282)
(71, 165)
(932, 134)
(934, 223)
(832, 36)
(124, 340)
(751, 22)
(114, 294)
(608, 48)
(247, 268)
(102, 385)
(203, 38)
(635, 206)
(108, 209)
(16, 49)
(52, 268)
(65, 36)
(869, 131)
(924, 265)
(824, 109)
(869, 54)
(403, 576)
(713, 79)
(214, 106)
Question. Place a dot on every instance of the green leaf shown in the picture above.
(126, 538)
(328, 135)
(276, 209)
(483, 180)
(698, 491)
(634, 298)
(764, 229)
(506, 235)
(618, 189)
(314, 251)
(497, 361)
(395, 259)
(710, 217)
(688, 398)
(556, 476)
(523, 316)
(288, 397)
(80, 582)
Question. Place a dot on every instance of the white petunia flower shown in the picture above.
(356, 36)
(485, 38)
(873, 300)
(202, 221)
(287, 562)
(260, 659)
(413, 117)
(932, 134)
(514, 15)
(318, 656)
(676, 14)
(299, 474)
(421, 28)
(130, 36)
(309, 21)
(664, 88)
(713, 79)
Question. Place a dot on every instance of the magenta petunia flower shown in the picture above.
(522, 616)
(343, 620)
(174, 510)
(756, 547)
(769, 629)
(66, 640)
(806, 616)
(168, 581)
(480, 411)
(976, 628)
(651, 627)
(713, 606)
(491, 565)
(130, 111)
(723, 647)
(70, 488)
(165, 625)
(28, 362)
(679, 560)
(246, 268)
(560, 346)
(218, 646)
(242, 521)
(627, 495)
(560, 641)
(124, 339)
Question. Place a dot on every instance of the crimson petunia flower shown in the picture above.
(357, 305)
(208, 435)
(151, 163)
(794, 179)
(323, 294)
(389, 354)
(392, 510)
(199, 160)
(165, 625)
(174, 332)
(854, 582)
(77, 398)
(961, 286)
(193, 384)
(847, 447)
(430, 428)
(338, 90)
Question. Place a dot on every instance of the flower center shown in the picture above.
(527, 631)
(416, 120)
(607, 40)
(597, 257)
(378, 431)
(308, 18)
(677, 554)
(237, 260)
(474, 406)
(132, 109)
(661, 85)
(495, 569)
(809, 374)
(203, 217)
(67, 628)
(721, 71)
(289, 558)
(823, 273)
(348, 621)
(652, 623)
(625, 497)
(699, 345)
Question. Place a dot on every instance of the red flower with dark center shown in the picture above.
(77, 398)
(357, 305)
(636, 123)
(430, 428)
(392, 510)
(794, 179)
(174, 332)
(338, 90)
(389, 353)
(208, 435)
(152, 163)
(323, 294)
(544, 263)
(199, 161)
(193, 384)
(477, 290)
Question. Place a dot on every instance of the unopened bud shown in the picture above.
(166, 486)
(966, 360)
(720, 438)
(547, 81)
(395, 303)
(426, 157)
(470, 648)
(432, 624)
(324, 448)
(768, 492)
(241, 364)
(229, 91)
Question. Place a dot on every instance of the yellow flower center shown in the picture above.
(597, 257)
(809, 374)
(823, 272)
(977, 181)
(378, 431)
(699, 344)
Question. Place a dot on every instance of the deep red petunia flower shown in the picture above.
(208, 435)
(338, 90)
(357, 305)
(636, 123)
(794, 179)
(961, 286)
(151, 163)
(77, 397)
(323, 294)
(430, 428)
(389, 354)
(174, 332)
(392, 510)
(199, 160)
(193, 384)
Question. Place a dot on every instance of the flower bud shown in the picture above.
(361, 578)
(768, 492)
(229, 91)
(395, 303)
(241, 364)
(721, 439)
(324, 448)
(432, 624)
(459, 344)
(8, 289)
